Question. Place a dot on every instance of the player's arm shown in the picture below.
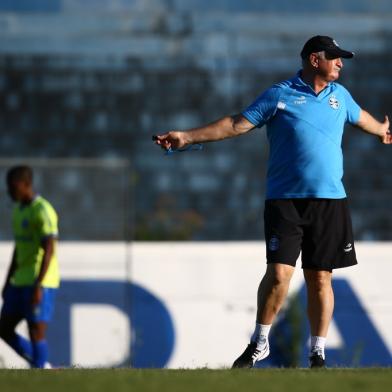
(223, 128)
(48, 245)
(370, 125)
(11, 271)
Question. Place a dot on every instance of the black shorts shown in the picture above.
(319, 228)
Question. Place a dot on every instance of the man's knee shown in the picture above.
(37, 331)
(279, 274)
(318, 280)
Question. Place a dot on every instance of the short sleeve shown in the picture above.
(352, 108)
(263, 108)
(46, 221)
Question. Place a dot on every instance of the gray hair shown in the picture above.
(320, 55)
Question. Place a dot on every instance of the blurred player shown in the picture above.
(306, 207)
(33, 277)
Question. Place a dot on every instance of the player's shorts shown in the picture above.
(17, 302)
(319, 228)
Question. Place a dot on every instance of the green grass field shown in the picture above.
(117, 380)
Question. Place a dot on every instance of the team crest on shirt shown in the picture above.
(333, 102)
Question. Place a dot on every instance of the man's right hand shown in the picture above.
(171, 140)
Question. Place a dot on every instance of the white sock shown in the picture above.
(260, 334)
(317, 343)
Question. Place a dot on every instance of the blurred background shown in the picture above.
(97, 78)
(84, 85)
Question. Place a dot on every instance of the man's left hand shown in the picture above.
(386, 138)
(37, 295)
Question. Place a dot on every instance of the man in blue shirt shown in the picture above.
(306, 208)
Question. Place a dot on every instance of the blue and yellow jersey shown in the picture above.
(31, 224)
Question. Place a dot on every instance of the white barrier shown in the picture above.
(208, 289)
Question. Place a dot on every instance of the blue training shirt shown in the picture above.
(305, 134)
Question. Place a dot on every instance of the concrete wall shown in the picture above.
(187, 305)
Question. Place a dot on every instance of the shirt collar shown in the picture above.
(298, 81)
(24, 205)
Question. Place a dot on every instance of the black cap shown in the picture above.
(320, 43)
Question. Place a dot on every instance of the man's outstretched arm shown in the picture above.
(370, 125)
(223, 128)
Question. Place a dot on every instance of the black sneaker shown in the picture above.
(316, 361)
(250, 356)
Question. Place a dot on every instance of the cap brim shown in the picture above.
(336, 53)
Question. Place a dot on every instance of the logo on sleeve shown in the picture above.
(273, 244)
(333, 102)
